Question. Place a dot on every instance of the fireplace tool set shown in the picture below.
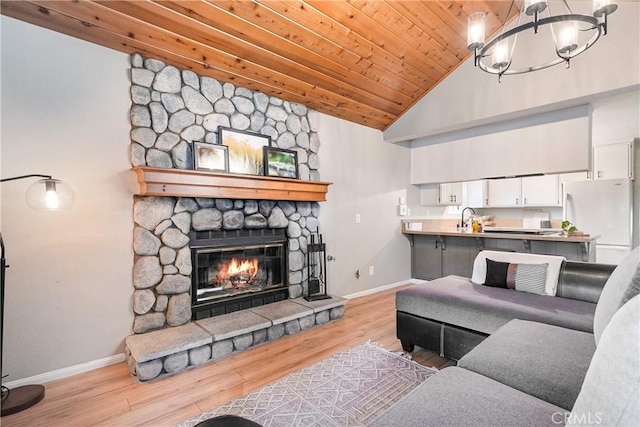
(316, 269)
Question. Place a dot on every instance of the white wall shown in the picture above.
(65, 107)
(469, 97)
(369, 176)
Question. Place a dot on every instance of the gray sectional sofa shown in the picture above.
(452, 315)
(530, 373)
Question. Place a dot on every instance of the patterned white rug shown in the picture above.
(350, 388)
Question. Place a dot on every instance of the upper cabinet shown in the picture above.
(457, 193)
(450, 193)
(523, 192)
(504, 192)
(540, 191)
(473, 193)
(613, 161)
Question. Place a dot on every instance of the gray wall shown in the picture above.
(65, 112)
(369, 176)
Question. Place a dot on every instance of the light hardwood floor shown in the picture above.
(110, 397)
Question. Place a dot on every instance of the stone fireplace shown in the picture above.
(217, 268)
(171, 109)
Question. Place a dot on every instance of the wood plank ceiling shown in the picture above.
(363, 61)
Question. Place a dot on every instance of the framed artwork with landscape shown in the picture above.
(245, 150)
(210, 157)
(280, 162)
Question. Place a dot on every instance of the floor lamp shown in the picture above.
(47, 194)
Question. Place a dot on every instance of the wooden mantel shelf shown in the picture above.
(189, 183)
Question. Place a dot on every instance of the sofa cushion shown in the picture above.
(531, 278)
(545, 361)
(610, 392)
(457, 301)
(457, 397)
(553, 273)
(614, 291)
(496, 274)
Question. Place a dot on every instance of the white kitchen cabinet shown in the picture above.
(613, 161)
(540, 191)
(505, 192)
(473, 193)
(429, 194)
(450, 193)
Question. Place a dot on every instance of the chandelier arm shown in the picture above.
(15, 178)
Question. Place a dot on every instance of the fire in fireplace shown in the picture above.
(239, 269)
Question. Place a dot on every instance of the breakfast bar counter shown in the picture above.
(439, 252)
(551, 237)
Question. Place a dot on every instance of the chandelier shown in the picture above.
(496, 56)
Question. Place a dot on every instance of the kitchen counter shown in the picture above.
(510, 235)
(442, 250)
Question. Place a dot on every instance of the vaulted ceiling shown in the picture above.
(364, 61)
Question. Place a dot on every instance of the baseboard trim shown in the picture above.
(59, 374)
(384, 288)
(112, 360)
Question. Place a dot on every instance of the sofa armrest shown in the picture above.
(582, 280)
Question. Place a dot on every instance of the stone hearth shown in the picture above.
(167, 351)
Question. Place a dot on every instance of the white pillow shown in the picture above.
(553, 272)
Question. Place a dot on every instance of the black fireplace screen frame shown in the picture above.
(223, 240)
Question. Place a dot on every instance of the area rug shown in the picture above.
(350, 388)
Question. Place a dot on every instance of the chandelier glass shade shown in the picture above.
(568, 33)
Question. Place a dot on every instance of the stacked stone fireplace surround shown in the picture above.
(171, 109)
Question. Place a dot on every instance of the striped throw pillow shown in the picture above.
(531, 278)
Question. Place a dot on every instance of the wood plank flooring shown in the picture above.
(109, 396)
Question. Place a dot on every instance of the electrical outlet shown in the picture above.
(357, 218)
(371, 271)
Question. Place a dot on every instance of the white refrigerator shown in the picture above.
(602, 207)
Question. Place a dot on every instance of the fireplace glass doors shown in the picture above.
(236, 271)
(234, 277)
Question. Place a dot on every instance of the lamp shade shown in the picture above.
(49, 195)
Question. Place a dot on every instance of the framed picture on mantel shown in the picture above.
(245, 150)
(280, 162)
(210, 157)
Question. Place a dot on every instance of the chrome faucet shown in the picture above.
(462, 216)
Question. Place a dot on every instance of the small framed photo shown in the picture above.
(210, 157)
(245, 150)
(280, 162)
